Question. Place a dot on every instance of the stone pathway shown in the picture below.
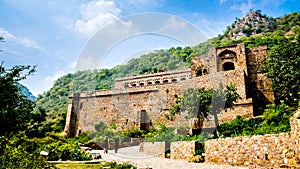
(142, 161)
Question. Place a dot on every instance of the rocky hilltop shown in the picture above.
(253, 23)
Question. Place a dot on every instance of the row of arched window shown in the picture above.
(154, 82)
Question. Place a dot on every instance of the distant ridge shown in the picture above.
(24, 90)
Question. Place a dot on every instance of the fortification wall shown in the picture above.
(272, 150)
(140, 101)
(259, 86)
(142, 106)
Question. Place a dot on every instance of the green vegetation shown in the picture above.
(112, 165)
(283, 68)
(101, 131)
(274, 120)
(197, 102)
(20, 151)
(17, 154)
(15, 110)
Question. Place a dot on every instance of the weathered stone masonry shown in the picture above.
(140, 101)
(272, 150)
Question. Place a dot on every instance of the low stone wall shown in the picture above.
(183, 150)
(157, 149)
(265, 150)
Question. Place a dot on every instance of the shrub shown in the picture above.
(70, 150)
(19, 152)
(274, 120)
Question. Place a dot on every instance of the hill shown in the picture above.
(26, 92)
(254, 30)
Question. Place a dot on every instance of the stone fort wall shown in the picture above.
(141, 101)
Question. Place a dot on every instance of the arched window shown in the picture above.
(228, 66)
(198, 72)
(166, 81)
(141, 84)
(157, 82)
(174, 80)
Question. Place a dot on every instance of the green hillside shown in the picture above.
(271, 32)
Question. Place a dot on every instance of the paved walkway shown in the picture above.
(133, 156)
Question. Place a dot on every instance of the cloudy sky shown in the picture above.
(53, 34)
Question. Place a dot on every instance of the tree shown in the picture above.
(201, 102)
(15, 109)
(283, 68)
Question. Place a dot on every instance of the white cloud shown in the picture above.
(24, 41)
(95, 15)
(222, 1)
(73, 65)
(244, 7)
(51, 79)
(173, 23)
(139, 4)
(276, 3)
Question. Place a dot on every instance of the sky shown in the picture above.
(55, 34)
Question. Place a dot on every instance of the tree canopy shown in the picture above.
(15, 109)
(283, 68)
(200, 102)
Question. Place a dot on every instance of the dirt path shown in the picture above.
(133, 156)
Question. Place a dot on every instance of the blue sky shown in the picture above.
(52, 33)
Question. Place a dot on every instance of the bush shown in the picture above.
(135, 133)
(60, 150)
(114, 165)
(19, 152)
(274, 120)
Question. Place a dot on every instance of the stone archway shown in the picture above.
(227, 60)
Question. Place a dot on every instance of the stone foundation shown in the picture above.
(272, 150)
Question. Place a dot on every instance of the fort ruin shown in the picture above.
(141, 101)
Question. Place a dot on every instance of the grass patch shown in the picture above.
(111, 165)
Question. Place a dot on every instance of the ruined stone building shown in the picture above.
(141, 101)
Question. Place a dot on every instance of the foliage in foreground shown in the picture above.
(274, 120)
(18, 153)
(112, 165)
(23, 152)
(15, 109)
